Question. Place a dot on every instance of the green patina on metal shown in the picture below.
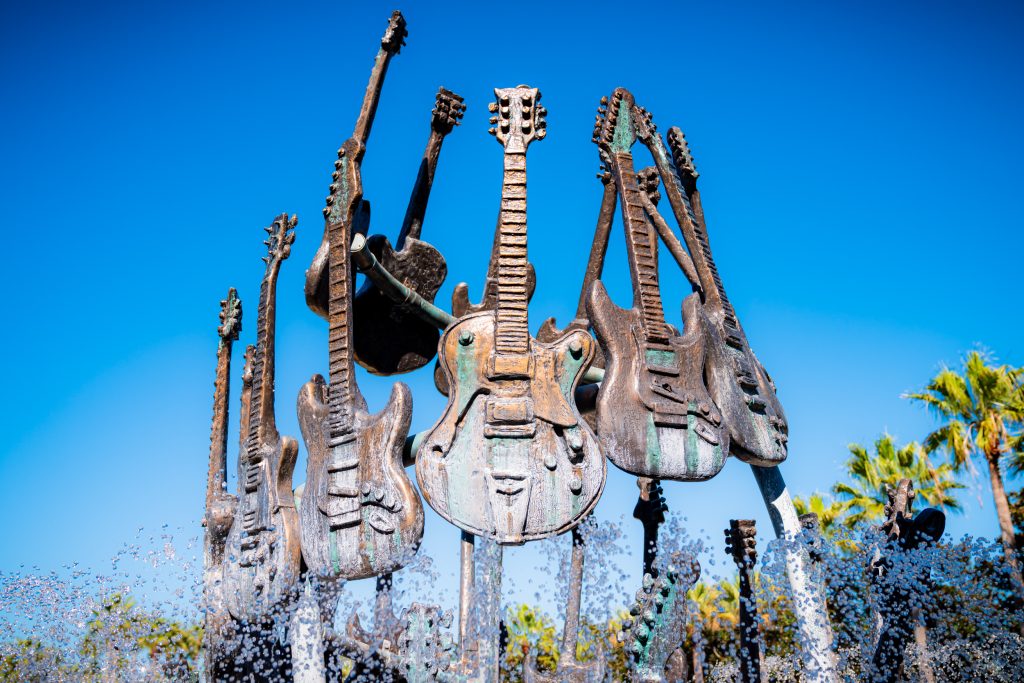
(653, 445)
(692, 440)
(332, 541)
(623, 137)
(665, 359)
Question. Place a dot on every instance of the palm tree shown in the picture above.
(830, 512)
(983, 411)
(871, 476)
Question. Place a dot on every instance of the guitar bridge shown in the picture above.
(509, 418)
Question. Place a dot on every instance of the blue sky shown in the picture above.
(860, 169)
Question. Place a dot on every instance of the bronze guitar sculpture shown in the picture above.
(317, 286)
(736, 379)
(388, 337)
(360, 515)
(263, 544)
(654, 414)
(511, 459)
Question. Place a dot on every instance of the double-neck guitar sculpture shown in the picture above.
(360, 515)
(511, 459)
(654, 413)
(262, 549)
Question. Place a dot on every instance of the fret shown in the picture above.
(512, 335)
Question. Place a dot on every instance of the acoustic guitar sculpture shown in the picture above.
(317, 287)
(654, 414)
(360, 515)
(389, 338)
(758, 432)
(263, 555)
(511, 459)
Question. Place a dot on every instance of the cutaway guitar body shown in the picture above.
(363, 517)
(654, 414)
(511, 459)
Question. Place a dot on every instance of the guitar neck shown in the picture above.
(371, 99)
(512, 334)
(341, 420)
(595, 264)
(412, 226)
(642, 250)
(685, 201)
(217, 474)
(262, 427)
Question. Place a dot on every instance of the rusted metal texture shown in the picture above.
(390, 338)
(511, 431)
(654, 413)
(741, 545)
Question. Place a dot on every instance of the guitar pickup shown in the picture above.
(509, 417)
(663, 419)
(661, 361)
(510, 366)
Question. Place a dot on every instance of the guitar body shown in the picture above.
(518, 441)
(360, 515)
(263, 545)
(388, 338)
(741, 388)
(655, 417)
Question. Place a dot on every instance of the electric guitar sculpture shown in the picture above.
(654, 414)
(220, 505)
(388, 337)
(511, 459)
(360, 515)
(317, 287)
(263, 544)
(737, 381)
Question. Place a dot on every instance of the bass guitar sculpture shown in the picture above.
(360, 515)
(389, 338)
(511, 459)
(317, 286)
(654, 414)
(263, 545)
(737, 381)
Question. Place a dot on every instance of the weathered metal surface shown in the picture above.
(220, 505)
(736, 379)
(654, 414)
(360, 515)
(648, 179)
(570, 668)
(654, 629)
(262, 548)
(650, 509)
(511, 430)
(317, 287)
(389, 285)
(390, 338)
(741, 545)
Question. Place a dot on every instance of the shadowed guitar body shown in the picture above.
(388, 337)
(654, 414)
(364, 517)
(511, 459)
(670, 422)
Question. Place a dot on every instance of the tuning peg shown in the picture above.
(541, 111)
(341, 152)
(493, 131)
(493, 119)
(541, 134)
(330, 200)
(266, 242)
(604, 100)
(265, 259)
(492, 107)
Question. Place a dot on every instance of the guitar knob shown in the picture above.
(550, 462)
(575, 349)
(576, 485)
(466, 338)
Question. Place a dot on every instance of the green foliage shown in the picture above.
(529, 629)
(830, 512)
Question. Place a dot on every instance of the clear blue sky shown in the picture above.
(861, 174)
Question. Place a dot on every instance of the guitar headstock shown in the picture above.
(650, 506)
(395, 35)
(649, 180)
(741, 542)
(280, 237)
(249, 358)
(644, 124)
(448, 111)
(518, 117)
(682, 158)
(614, 132)
(230, 316)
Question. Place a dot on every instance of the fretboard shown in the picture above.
(512, 333)
(642, 250)
(340, 417)
(412, 226)
(217, 473)
(256, 402)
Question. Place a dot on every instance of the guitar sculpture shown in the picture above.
(511, 459)
(220, 505)
(741, 545)
(317, 287)
(263, 544)
(654, 414)
(738, 383)
(360, 515)
(389, 338)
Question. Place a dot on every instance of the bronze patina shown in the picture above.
(741, 545)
